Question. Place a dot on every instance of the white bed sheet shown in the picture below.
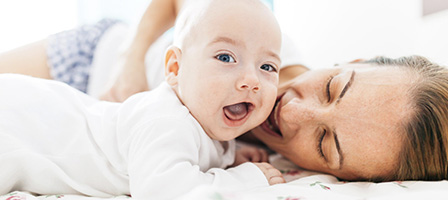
(301, 185)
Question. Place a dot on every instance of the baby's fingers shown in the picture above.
(276, 180)
(273, 175)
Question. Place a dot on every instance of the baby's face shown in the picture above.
(228, 70)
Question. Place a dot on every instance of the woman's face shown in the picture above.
(345, 121)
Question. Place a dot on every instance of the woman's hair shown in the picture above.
(425, 144)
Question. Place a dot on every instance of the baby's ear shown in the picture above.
(172, 58)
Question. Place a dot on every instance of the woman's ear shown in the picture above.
(172, 58)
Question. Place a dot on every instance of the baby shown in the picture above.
(221, 81)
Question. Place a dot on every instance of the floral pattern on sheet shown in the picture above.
(21, 195)
(291, 172)
(217, 196)
(54, 196)
(13, 196)
(318, 183)
(303, 185)
(400, 183)
(288, 198)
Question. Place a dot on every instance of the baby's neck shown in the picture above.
(225, 145)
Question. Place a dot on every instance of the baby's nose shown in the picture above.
(248, 81)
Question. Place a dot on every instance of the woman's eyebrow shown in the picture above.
(346, 87)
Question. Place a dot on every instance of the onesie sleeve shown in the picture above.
(163, 163)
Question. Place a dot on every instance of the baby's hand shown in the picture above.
(250, 154)
(273, 175)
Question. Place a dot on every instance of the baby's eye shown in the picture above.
(268, 68)
(225, 58)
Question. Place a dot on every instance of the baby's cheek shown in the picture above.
(270, 93)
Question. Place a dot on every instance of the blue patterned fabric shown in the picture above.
(70, 53)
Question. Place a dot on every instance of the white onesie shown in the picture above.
(57, 140)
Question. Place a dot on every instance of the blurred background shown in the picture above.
(325, 31)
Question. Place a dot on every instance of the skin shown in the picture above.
(215, 66)
(366, 121)
(218, 66)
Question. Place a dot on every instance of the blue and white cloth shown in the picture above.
(70, 53)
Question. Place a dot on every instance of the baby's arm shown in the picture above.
(167, 164)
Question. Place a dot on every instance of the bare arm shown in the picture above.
(158, 17)
(35, 63)
(290, 72)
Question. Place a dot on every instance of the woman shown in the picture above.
(359, 121)
(365, 121)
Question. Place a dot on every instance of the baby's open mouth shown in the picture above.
(238, 111)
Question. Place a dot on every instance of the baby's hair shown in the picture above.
(190, 16)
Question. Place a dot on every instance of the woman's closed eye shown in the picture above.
(319, 144)
(328, 148)
(225, 58)
(268, 67)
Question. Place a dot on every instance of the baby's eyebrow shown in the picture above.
(274, 55)
(226, 40)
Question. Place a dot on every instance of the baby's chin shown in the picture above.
(225, 132)
(228, 134)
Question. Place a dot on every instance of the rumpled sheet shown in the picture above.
(301, 185)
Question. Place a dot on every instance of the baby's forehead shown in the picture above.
(198, 11)
(219, 16)
(233, 8)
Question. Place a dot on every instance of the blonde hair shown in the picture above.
(425, 144)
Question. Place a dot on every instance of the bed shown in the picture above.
(301, 184)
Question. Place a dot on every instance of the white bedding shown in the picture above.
(301, 185)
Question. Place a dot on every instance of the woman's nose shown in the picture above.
(248, 80)
(298, 113)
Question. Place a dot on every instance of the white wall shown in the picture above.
(326, 31)
(129, 11)
(433, 34)
(25, 21)
(337, 31)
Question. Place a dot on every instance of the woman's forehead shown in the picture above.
(378, 101)
(378, 109)
(372, 154)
